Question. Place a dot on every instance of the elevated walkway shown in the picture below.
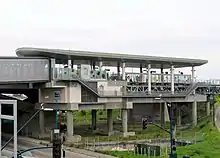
(23, 70)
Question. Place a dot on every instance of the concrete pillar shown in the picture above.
(100, 64)
(193, 77)
(123, 71)
(208, 111)
(194, 113)
(193, 74)
(69, 63)
(94, 112)
(118, 70)
(69, 122)
(162, 115)
(125, 120)
(41, 122)
(141, 74)
(166, 113)
(162, 76)
(149, 78)
(109, 121)
(53, 69)
(172, 78)
(179, 121)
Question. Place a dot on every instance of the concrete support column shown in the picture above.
(69, 63)
(208, 111)
(166, 113)
(172, 78)
(193, 77)
(162, 76)
(69, 121)
(94, 112)
(141, 73)
(125, 120)
(41, 122)
(100, 64)
(123, 71)
(149, 78)
(194, 113)
(110, 121)
(118, 70)
(162, 115)
(179, 121)
(193, 74)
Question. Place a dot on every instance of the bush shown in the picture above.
(83, 113)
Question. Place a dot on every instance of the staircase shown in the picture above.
(193, 87)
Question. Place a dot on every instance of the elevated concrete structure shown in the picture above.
(83, 83)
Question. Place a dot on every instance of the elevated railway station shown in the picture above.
(84, 81)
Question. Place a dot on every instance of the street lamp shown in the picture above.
(171, 126)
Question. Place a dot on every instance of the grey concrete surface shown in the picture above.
(25, 143)
(217, 118)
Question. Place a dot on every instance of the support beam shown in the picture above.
(208, 111)
(149, 78)
(172, 79)
(110, 121)
(94, 114)
(179, 121)
(123, 71)
(41, 122)
(194, 113)
(70, 127)
(125, 120)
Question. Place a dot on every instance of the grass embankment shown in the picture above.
(209, 148)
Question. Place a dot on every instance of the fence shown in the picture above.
(118, 144)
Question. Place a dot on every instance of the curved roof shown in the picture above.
(110, 59)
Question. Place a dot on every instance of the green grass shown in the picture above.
(209, 148)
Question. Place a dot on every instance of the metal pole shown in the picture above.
(57, 115)
(21, 128)
(15, 130)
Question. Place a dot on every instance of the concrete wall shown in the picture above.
(74, 92)
(69, 93)
(108, 89)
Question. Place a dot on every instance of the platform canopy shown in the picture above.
(110, 59)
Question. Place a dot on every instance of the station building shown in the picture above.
(80, 80)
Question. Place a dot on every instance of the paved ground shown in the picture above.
(45, 153)
(25, 143)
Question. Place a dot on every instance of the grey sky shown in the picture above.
(182, 28)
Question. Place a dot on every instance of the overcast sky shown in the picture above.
(181, 28)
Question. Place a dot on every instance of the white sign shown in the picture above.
(57, 95)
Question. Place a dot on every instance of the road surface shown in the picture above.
(44, 153)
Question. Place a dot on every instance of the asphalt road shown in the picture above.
(44, 153)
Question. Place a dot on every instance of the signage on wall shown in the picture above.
(57, 95)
